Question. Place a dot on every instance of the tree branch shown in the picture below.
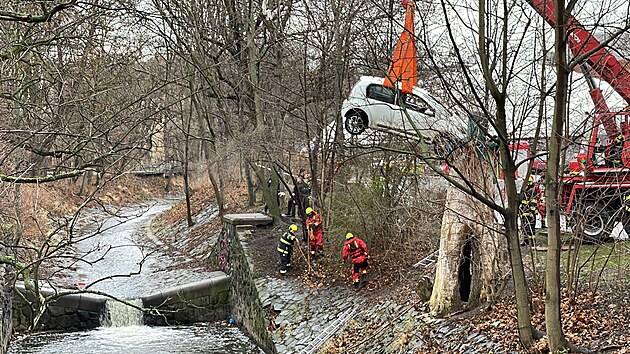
(30, 18)
(56, 177)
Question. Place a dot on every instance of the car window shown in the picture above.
(381, 93)
(416, 103)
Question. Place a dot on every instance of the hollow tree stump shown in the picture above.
(472, 263)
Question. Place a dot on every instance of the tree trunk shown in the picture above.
(209, 150)
(553, 322)
(189, 219)
(472, 263)
(524, 317)
(498, 91)
(270, 195)
(251, 188)
(521, 289)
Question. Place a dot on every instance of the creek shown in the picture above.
(113, 255)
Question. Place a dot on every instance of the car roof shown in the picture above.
(368, 80)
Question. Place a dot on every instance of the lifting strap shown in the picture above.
(403, 66)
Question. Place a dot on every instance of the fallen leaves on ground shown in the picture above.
(594, 320)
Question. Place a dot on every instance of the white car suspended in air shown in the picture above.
(373, 105)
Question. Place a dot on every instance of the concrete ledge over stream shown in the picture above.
(253, 219)
(205, 300)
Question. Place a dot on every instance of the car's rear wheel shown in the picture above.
(355, 124)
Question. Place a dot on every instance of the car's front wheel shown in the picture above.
(355, 124)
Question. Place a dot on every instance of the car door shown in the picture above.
(381, 106)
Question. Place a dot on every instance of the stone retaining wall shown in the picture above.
(72, 312)
(202, 301)
(230, 255)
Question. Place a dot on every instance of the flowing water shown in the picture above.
(200, 338)
(114, 251)
(115, 256)
(118, 314)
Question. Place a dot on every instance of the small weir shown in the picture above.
(119, 314)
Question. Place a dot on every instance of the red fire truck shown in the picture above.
(599, 179)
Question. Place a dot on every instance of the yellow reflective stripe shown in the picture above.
(282, 251)
(285, 241)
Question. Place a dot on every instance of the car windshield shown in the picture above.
(432, 102)
(417, 104)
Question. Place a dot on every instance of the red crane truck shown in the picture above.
(599, 179)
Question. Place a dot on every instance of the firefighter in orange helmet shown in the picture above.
(358, 252)
(315, 228)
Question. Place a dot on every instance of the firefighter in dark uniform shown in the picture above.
(528, 211)
(614, 157)
(285, 248)
(358, 252)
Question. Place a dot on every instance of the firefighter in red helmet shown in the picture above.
(358, 252)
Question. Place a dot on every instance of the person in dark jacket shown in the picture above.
(285, 248)
(616, 151)
(291, 205)
(528, 211)
(358, 252)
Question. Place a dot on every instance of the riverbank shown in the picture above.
(390, 314)
(314, 311)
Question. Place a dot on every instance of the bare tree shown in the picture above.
(75, 102)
